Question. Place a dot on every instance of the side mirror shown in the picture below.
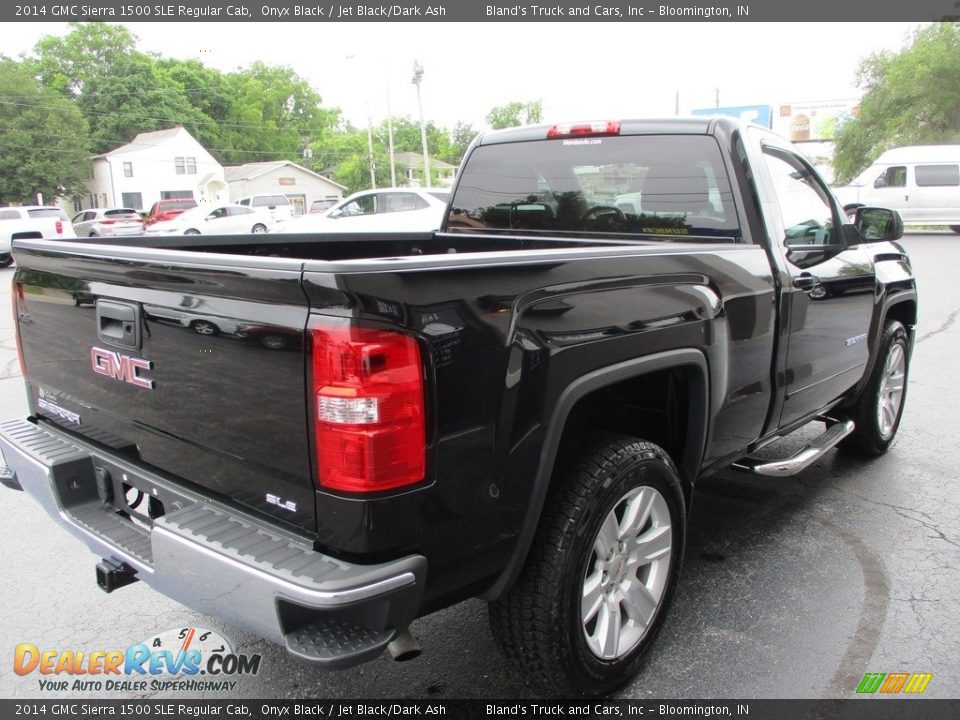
(878, 224)
(880, 182)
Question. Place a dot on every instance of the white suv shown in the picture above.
(278, 206)
(31, 221)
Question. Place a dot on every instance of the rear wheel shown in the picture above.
(259, 228)
(191, 231)
(879, 409)
(601, 572)
(6, 261)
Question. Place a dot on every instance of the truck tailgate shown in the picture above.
(195, 369)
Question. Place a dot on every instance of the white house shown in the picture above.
(301, 186)
(159, 165)
(413, 162)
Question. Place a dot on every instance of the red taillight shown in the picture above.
(59, 227)
(586, 129)
(369, 405)
(107, 222)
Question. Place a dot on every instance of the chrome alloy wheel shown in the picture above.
(627, 574)
(890, 392)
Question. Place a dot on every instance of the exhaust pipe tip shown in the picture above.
(404, 646)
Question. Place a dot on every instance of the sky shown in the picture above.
(579, 71)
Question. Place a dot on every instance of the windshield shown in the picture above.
(666, 187)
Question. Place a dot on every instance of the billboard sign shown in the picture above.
(757, 114)
(813, 121)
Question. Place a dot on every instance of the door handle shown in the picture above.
(806, 282)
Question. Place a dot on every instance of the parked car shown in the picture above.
(167, 210)
(215, 220)
(107, 222)
(277, 206)
(31, 221)
(386, 210)
(922, 182)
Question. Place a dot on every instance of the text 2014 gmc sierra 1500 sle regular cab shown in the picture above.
(322, 439)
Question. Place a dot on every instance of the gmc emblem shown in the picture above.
(120, 367)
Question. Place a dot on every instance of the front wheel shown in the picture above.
(259, 228)
(955, 228)
(191, 231)
(601, 573)
(6, 261)
(879, 408)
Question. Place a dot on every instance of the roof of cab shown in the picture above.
(652, 126)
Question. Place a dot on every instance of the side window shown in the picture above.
(365, 205)
(937, 175)
(892, 177)
(398, 202)
(245, 201)
(807, 212)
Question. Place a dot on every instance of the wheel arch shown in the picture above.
(901, 306)
(691, 362)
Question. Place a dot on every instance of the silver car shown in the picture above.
(107, 222)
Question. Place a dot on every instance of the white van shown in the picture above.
(921, 181)
(277, 205)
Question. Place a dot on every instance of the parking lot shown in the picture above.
(791, 588)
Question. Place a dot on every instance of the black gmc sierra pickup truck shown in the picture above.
(323, 438)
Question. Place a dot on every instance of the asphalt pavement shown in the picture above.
(792, 588)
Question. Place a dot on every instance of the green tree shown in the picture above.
(911, 98)
(44, 139)
(136, 95)
(275, 114)
(67, 63)
(515, 113)
(460, 138)
(344, 157)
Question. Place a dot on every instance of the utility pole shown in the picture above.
(393, 164)
(373, 168)
(417, 78)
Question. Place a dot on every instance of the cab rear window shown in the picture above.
(48, 213)
(664, 187)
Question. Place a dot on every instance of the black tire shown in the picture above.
(872, 436)
(955, 228)
(191, 231)
(537, 624)
(6, 261)
(259, 228)
(204, 327)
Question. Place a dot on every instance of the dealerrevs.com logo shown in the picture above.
(186, 659)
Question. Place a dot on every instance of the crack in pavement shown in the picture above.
(951, 319)
(902, 512)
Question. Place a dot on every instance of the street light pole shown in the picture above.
(417, 77)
